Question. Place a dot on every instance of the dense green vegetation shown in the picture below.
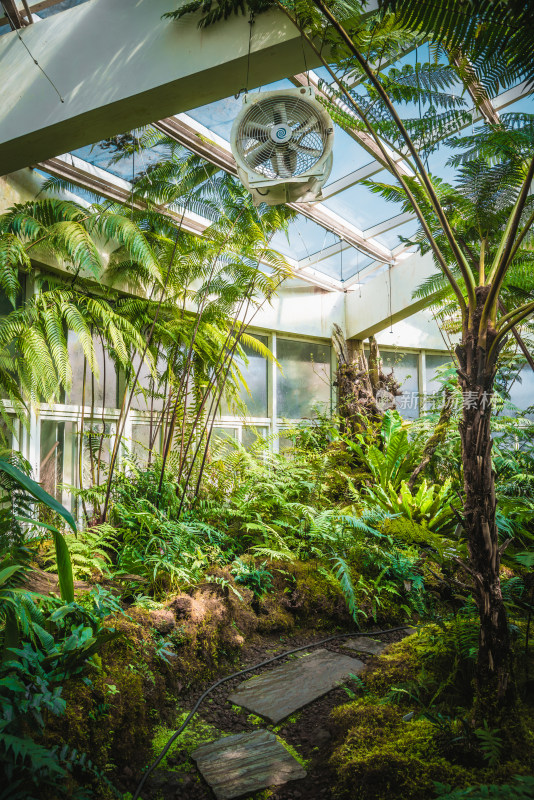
(173, 562)
(328, 532)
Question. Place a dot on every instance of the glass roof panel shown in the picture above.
(219, 116)
(361, 207)
(127, 167)
(348, 155)
(56, 8)
(525, 105)
(343, 265)
(305, 238)
(391, 238)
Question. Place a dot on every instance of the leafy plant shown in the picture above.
(64, 567)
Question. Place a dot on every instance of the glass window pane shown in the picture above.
(58, 459)
(221, 439)
(433, 386)
(149, 394)
(144, 439)
(255, 375)
(305, 378)
(96, 452)
(250, 436)
(405, 369)
(101, 391)
(522, 390)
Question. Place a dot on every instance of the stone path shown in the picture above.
(276, 694)
(237, 766)
(364, 644)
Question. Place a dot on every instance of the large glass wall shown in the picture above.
(274, 397)
(522, 391)
(305, 381)
(100, 391)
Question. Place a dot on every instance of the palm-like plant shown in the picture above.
(187, 306)
(476, 274)
(497, 39)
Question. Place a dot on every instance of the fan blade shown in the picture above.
(280, 114)
(258, 153)
(284, 163)
(301, 148)
(306, 127)
(255, 130)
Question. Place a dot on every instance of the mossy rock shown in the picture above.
(382, 756)
(309, 594)
(410, 532)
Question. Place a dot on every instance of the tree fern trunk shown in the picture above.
(495, 688)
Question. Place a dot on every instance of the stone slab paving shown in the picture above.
(238, 766)
(276, 694)
(364, 644)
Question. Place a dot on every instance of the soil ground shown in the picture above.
(306, 731)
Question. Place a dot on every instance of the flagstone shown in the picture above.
(277, 694)
(364, 644)
(238, 766)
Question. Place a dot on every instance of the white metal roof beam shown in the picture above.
(120, 65)
(389, 224)
(88, 176)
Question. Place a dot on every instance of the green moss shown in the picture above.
(197, 732)
(312, 595)
(383, 756)
(304, 762)
(410, 532)
(255, 720)
(382, 752)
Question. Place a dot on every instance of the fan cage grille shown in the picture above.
(258, 150)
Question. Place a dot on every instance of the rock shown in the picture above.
(364, 644)
(237, 766)
(276, 694)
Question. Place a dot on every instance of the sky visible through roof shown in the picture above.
(364, 211)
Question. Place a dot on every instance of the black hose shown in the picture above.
(208, 691)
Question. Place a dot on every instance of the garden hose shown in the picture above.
(208, 691)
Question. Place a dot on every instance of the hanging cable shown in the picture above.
(390, 301)
(306, 71)
(133, 177)
(21, 40)
(244, 90)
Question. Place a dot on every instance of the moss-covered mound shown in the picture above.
(412, 728)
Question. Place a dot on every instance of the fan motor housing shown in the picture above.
(282, 142)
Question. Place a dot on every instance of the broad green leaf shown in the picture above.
(64, 568)
(38, 492)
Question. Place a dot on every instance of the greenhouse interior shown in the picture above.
(267, 399)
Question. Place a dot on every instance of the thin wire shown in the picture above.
(21, 40)
(306, 72)
(245, 88)
(341, 278)
(133, 178)
(210, 689)
(390, 302)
